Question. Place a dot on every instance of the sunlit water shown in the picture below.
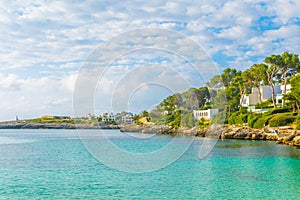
(54, 164)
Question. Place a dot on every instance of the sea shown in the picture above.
(109, 164)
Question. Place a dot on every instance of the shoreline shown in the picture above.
(41, 125)
(288, 137)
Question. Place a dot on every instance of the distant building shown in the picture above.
(108, 116)
(206, 114)
(90, 116)
(127, 118)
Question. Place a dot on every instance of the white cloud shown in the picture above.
(43, 43)
(31, 97)
(234, 33)
(286, 10)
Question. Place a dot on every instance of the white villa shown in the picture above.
(279, 97)
(108, 116)
(266, 93)
(206, 114)
(127, 118)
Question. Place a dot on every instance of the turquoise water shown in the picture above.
(48, 164)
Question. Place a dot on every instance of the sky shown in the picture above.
(45, 45)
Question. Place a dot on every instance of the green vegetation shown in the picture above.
(176, 110)
(277, 110)
(202, 123)
(188, 120)
(297, 123)
(239, 117)
(261, 122)
(41, 120)
(273, 118)
(252, 118)
(294, 95)
(281, 120)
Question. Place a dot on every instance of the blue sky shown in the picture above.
(44, 44)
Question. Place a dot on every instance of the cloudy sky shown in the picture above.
(45, 43)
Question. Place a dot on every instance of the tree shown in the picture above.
(191, 99)
(288, 68)
(247, 79)
(204, 95)
(258, 77)
(228, 76)
(136, 117)
(294, 95)
(229, 97)
(215, 83)
(219, 82)
(232, 99)
(274, 62)
(244, 82)
(195, 98)
(219, 101)
(170, 103)
(145, 113)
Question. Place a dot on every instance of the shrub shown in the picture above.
(239, 117)
(220, 118)
(298, 123)
(261, 122)
(244, 118)
(252, 119)
(281, 120)
(202, 123)
(187, 120)
(277, 110)
(233, 118)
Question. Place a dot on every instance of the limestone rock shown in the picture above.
(296, 141)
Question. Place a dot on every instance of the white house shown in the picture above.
(279, 97)
(288, 88)
(206, 114)
(266, 93)
(108, 116)
(127, 118)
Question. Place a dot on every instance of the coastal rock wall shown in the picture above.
(166, 130)
(289, 137)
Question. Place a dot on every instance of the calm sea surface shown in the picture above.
(54, 164)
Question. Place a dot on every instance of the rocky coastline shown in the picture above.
(39, 125)
(288, 137)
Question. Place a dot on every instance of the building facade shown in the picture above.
(108, 116)
(127, 118)
(206, 114)
(266, 93)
